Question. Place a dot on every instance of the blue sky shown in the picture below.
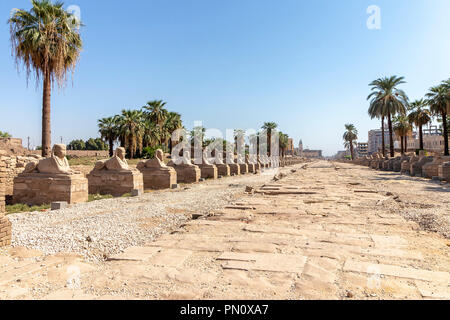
(305, 65)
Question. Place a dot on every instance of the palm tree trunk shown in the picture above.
(46, 128)
(383, 143)
(351, 149)
(111, 147)
(269, 143)
(391, 136)
(445, 127)
(421, 137)
(402, 145)
(406, 144)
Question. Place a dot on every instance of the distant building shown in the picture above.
(375, 140)
(362, 149)
(306, 153)
(342, 154)
(290, 148)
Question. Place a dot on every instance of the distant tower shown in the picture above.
(300, 148)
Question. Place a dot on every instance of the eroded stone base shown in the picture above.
(444, 171)
(243, 168)
(155, 178)
(235, 169)
(188, 174)
(223, 170)
(209, 172)
(115, 183)
(5, 232)
(38, 189)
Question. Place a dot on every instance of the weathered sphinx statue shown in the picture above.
(209, 170)
(114, 176)
(242, 164)
(157, 175)
(117, 163)
(235, 169)
(222, 168)
(56, 164)
(50, 180)
(186, 171)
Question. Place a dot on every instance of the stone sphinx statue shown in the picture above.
(156, 162)
(156, 174)
(50, 180)
(114, 176)
(222, 168)
(56, 164)
(116, 163)
(186, 171)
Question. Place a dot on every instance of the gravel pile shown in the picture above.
(101, 228)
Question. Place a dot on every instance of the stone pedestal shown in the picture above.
(243, 168)
(209, 171)
(159, 178)
(187, 173)
(115, 183)
(235, 169)
(444, 171)
(251, 168)
(416, 167)
(223, 170)
(42, 188)
(431, 169)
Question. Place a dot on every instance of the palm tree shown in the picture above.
(109, 131)
(350, 137)
(173, 122)
(438, 100)
(46, 40)
(156, 112)
(131, 130)
(268, 127)
(402, 128)
(284, 143)
(387, 100)
(4, 135)
(419, 116)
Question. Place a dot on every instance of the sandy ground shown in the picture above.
(330, 231)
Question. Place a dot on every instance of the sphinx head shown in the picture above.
(120, 153)
(59, 150)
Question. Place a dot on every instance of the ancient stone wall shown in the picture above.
(12, 167)
(5, 225)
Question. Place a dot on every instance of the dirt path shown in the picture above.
(332, 231)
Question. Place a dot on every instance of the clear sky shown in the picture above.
(305, 65)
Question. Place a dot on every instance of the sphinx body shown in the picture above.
(156, 174)
(50, 180)
(114, 176)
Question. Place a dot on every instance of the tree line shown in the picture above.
(389, 102)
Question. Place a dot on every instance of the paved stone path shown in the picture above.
(330, 231)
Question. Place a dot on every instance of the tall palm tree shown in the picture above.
(387, 100)
(350, 137)
(402, 128)
(419, 116)
(173, 122)
(284, 143)
(268, 127)
(155, 111)
(46, 40)
(131, 128)
(109, 131)
(438, 100)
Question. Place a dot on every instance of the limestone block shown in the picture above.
(235, 169)
(40, 188)
(115, 183)
(444, 171)
(159, 178)
(243, 168)
(431, 169)
(223, 170)
(416, 167)
(209, 171)
(187, 173)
